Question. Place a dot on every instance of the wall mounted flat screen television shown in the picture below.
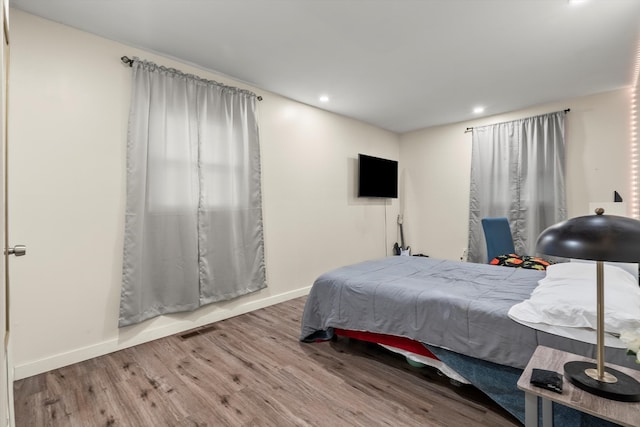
(377, 177)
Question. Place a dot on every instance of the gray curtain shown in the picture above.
(517, 171)
(193, 229)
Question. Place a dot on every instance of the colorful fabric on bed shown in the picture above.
(521, 261)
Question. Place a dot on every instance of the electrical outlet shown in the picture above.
(464, 255)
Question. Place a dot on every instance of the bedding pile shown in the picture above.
(458, 306)
(454, 305)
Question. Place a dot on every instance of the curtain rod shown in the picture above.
(128, 61)
(469, 129)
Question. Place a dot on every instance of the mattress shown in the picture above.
(462, 307)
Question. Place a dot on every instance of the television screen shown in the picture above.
(377, 177)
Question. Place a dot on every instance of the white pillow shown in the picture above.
(631, 267)
(567, 297)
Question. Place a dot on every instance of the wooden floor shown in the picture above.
(250, 370)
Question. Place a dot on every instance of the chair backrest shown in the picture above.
(497, 234)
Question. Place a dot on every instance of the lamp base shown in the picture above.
(625, 389)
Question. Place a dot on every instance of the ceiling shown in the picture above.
(397, 64)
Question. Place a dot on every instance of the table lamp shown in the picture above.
(600, 238)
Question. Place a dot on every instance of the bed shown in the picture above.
(457, 309)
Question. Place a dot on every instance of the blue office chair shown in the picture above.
(497, 235)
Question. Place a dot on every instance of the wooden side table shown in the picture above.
(624, 413)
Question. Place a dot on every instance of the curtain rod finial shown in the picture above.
(126, 60)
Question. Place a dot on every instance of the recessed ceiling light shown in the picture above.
(576, 2)
(478, 110)
(324, 98)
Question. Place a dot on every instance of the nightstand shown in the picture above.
(624, 413)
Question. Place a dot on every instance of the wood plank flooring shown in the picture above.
(250, 370)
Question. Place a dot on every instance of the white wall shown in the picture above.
(634, 205)
(436, 164)
(69, 100)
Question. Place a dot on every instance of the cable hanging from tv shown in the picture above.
(128, 61)
(470, 129)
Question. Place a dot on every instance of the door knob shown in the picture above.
(17, 250)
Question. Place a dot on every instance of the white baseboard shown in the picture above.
(149, 334)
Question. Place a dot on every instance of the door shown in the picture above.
(6, 376)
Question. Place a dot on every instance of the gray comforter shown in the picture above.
(454, 305)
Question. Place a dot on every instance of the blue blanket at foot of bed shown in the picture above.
(499, 382)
